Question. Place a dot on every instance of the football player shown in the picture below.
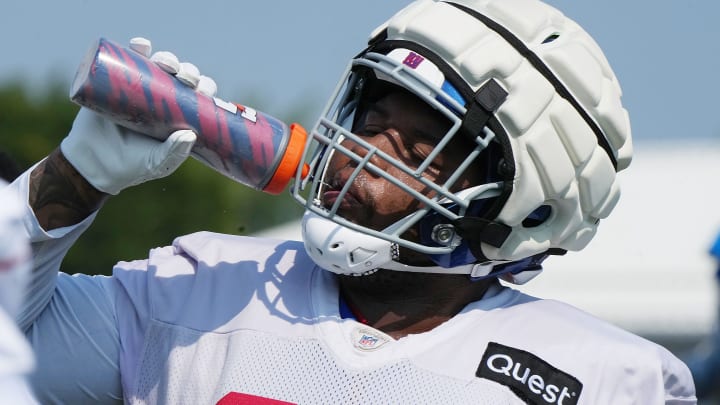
(466, 143)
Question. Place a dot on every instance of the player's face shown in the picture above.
(407, 129)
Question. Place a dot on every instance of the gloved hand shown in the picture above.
(111, 157)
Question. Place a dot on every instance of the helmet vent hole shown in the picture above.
(537, 217)
(335, 246)
(320, 252)
(551, 37)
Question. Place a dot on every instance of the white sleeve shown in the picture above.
(48, 250)
(679, 384)
(77, 344)
(69, 320)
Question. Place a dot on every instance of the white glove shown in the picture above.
(111, 157)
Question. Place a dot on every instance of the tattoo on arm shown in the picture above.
(59, 195)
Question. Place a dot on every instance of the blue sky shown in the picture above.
(279, 53)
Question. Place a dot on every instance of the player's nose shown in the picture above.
(376, 150)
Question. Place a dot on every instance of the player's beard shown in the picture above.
(388, 285)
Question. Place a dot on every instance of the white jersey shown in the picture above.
(220, 319)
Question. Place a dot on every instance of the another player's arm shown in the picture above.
(59, 195)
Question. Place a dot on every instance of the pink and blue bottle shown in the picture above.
(245, 145)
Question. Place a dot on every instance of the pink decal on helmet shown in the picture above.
(413, 60)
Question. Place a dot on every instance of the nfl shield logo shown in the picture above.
(367, 339)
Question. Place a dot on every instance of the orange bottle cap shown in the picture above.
(290, 161)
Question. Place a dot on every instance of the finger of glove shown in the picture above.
(207, 86)
(189, 74)
(180, 143)
(165, 158)
(167, 61)
(186, 72)
(141, 45)
(171, 153)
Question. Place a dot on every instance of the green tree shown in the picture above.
(192, 199)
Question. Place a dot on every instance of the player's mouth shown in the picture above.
(348, 202)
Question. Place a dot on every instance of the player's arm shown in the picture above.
(59, 195)
(95, 160)
(71, 321)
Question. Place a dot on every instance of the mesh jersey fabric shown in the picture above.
(204, 368)
(248, 304)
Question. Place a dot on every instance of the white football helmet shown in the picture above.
(537, 99)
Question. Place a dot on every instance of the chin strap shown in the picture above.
(476, 231)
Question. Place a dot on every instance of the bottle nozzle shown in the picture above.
(289, 163)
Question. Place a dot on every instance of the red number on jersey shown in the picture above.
(236, 398)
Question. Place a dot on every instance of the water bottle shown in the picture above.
(243, 144)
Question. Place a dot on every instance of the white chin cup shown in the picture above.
(342, 250)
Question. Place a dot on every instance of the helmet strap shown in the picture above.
(483, 105)
(477, 230)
